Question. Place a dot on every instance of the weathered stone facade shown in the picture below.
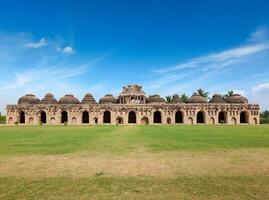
(132, 107)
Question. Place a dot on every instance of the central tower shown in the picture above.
(132, 94)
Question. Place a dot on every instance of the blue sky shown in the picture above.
(167, 46)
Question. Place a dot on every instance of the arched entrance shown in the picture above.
(157, 117)
(64, 117)
(52, 120)
(168, 120)
(85, 117)
(74, 121)
(31, 120)
(43, 117)
(22, 117)
(234, 121)
(243, 117)
(179, 117)
(200, 119)
(222, 119)
(190, 120)
(145, 121)
(10, 120)
(119, 120)
(107, 117)
(211, 120)
(255, 121)
(95, 120)
(132, 117)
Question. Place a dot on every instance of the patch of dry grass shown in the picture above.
(218, 163)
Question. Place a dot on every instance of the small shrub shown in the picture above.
(16, 123)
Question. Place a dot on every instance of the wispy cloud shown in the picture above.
(66, 50)
(39, 44)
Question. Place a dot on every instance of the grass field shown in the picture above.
(134, 162)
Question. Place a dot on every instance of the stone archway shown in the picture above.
(179, 117)
(168, 120)
(43, 117)
(243, 117)
(200, 118)
(85, 117)
(22, 117)
(157, 117)
(144, 121)
(222, 118)
(132, 117)
(107, 117)
(74, 120)
(233, 121)
(52, 120)
(95, 120)
(31, 120)
(211, 120)
(119, 120)
(10, 120)
(64, 117)
(190, 120)
(255, 121)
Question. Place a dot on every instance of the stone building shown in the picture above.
(132, 106)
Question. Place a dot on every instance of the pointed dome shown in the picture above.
(237, 98)
(217, 99)
(176, 99)
(68, 99)
(48, 99)
(156, 99)
(28, 99)
(196, 98)
(88, 99)
(108, 98)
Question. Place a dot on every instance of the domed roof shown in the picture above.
(217, 99)
(236, 98)
(48, 99)
(156, 99)
(108, 98)
(196, 98)
(176, 99)
(68, 99)
(88, 99)
(28, 99)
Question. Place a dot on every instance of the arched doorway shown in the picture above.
(22, 117)
(211, 120)
(222, 117)
(95, 120)
(179, 117)
(243, 117)
(10, 120)
(255, 121)
(132, 117)
(85, 117)
(52, 120)
(43, 117)
(31, 120)
(168, 120)
(145, 121)
(157, 117)
(64, 117)
(107, 117)
(74, 120)
(234, 120)
(190, 120)
(119, 120)
(200, 119)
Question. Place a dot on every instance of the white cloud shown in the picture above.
(66, 50)
(260, 34)
(36, 45)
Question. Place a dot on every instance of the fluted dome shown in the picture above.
(217, 99)
(28, 99)
(48, 99)
(68, 99)
(108, 98)
(196, 98)
(236, 98)
(88, 99)
(176, 99)
(156, 99)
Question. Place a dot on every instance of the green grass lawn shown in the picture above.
(134, 162)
